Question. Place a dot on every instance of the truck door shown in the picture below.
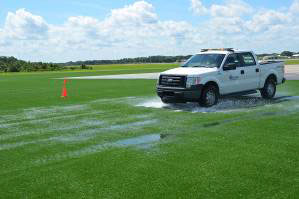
(250, 71)
(230, 75)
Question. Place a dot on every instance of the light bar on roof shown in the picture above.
(218, 49)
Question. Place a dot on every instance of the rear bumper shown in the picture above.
(179, 95)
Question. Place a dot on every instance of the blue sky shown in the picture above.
(57, 11)
(93, 31)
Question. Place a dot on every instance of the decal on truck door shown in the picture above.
(231, 77)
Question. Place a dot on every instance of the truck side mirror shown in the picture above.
(230, 66)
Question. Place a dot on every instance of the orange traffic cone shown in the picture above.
(64, 91)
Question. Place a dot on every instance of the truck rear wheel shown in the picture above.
(269, 90)
(209, 96)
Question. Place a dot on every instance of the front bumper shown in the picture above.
(180, 95)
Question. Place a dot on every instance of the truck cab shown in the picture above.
(214, 73)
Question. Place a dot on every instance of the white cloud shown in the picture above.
(224, 18)
(3, 40)
(137, 14)
(24, 25)
(81, 28)
(295, 7)
(131, 21)
(226, 25)
(177, 31)
(82, 21)
(229, 17)
(136, 30)
(198, 8)
(123, 25)
(232, 8)
(266, 20)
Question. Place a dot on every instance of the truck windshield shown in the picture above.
(205, 60)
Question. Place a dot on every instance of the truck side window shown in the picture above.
(247, 59)
(233, 58)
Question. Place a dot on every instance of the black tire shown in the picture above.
(209, 96)
(164, 101)
(269, 90)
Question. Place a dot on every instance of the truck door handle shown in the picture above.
(242, 72)
(257, 70)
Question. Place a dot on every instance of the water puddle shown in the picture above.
(59, 127)
(144, 141)
(131, 125)
(138, 140)
(286, 98)
(228, 104)
(33, 113)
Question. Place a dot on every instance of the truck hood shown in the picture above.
(189, 71)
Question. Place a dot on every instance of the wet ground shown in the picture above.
(142, 142)
(229, 104)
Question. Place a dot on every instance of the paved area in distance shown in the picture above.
(125, 76)
(292, 73)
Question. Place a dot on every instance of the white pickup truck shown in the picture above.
(213, 73)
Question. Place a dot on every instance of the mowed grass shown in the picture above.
(91, 144)
(292, 62)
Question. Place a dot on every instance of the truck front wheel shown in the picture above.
(164, 100)
(209, 96)
(269, 90)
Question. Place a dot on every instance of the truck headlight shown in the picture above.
(192, 81)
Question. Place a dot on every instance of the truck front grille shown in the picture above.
(172, 81)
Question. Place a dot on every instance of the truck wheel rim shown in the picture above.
(211, 97)
(270, 89)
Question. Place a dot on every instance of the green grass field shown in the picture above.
(113, 139)
(292, 62)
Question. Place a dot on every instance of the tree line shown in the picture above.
(288, 53)
(151, 59)
(154, 59)
(12, 64)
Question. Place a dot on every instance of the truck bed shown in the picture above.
(270, 62)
